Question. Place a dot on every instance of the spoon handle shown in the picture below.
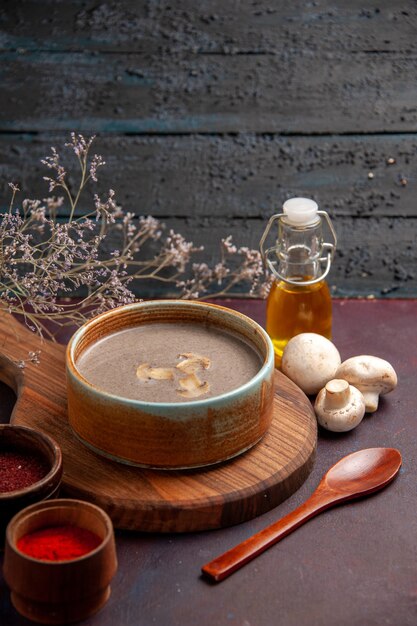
(236, 557)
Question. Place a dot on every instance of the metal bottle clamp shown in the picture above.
(271, 264)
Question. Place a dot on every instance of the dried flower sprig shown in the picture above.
(236, 266)
(46, 254)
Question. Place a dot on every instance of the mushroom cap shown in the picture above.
(368, 373)
(339, 407)
(310, 360)
(371, 375)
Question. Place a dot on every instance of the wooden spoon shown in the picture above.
(358, 474)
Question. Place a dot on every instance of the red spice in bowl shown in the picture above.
(19, 470)
(58, 543)
(30, 469)
(56, 585)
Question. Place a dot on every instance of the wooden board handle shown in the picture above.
(38, 385)
(11, 374)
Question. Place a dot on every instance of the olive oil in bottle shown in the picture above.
(299, 300)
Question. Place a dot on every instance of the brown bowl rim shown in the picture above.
(268, 361)
(55, 470)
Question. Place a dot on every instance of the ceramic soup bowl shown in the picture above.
(194, 430)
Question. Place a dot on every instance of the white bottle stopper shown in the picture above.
(301, 211)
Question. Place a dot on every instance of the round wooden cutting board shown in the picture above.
(160, 501)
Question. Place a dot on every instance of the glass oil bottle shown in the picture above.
(299, 300)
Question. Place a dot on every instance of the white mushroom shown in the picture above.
(371, 375)
(147, 372)
(339, 406)
(192, 362)
(310, 360)
(192, 386)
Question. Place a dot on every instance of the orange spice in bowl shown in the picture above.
(58, 543)
(59, 560)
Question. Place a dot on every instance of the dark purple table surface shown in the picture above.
(352, 565)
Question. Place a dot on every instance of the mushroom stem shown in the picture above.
(337, 394)
(339, 406)
(371, 400)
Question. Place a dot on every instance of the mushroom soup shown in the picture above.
(169, 362)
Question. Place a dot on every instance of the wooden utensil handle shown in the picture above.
(236, 557)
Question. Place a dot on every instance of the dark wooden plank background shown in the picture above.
(210, 114)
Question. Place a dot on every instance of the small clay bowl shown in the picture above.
(27, 441)
(176, 435)
(60, 592)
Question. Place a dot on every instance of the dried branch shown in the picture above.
(44, 258)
